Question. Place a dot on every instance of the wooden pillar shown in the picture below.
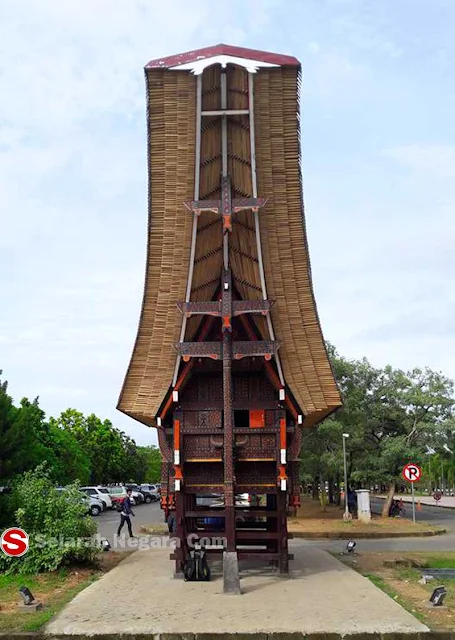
(179, 553)
(229, 501)
(283, 560)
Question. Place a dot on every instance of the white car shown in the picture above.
(100, 494)
(93, 505)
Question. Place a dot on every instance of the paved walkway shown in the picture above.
(141, 596)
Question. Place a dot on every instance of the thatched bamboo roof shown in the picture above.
(171, 118)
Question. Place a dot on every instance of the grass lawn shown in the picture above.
(312, 520)
(398, 575)
(53, 589)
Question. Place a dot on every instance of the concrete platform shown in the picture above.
(320, 596)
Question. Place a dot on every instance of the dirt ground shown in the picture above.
(398, 574)
(53, 589)
(312, 519)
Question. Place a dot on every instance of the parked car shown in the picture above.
(118, 494)
(93, 505)
(151, 492)
(149, 496)
(100, 493)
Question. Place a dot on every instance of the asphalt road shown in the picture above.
(152, 514)
(432, 515)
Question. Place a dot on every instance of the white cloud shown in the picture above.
(432, 160)
(73, 178)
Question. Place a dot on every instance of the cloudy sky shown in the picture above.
(379, 176)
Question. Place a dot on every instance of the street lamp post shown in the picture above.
(346, 515)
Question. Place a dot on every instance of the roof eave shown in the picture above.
(199, 55)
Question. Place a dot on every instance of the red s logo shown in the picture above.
(14, 542)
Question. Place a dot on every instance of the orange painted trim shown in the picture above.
(227, 225)
(282, 433)
(176, 435)
(282, 475)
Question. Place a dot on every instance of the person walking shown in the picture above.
(125, 514)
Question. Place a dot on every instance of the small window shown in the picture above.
(257, 418)
(241, 419)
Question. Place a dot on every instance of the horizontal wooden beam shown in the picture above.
(212, 308)
(189, 350)
(249, 348)
(225, 112)
(239, 307)
(220, 513)
(240, 349)
(269, 405)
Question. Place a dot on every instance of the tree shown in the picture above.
(152, 458)
(113, 455)
(60, 532)
(390, 415)
(99, 441)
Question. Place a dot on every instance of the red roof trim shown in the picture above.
(226, 50)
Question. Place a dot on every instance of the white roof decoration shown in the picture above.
(198, 66)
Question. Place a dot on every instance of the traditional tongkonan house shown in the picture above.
(229, 363)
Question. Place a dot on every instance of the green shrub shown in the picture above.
(59, 530)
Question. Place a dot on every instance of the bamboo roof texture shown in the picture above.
(171, 119)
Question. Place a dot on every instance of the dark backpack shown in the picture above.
(196, 567)
(119, 506)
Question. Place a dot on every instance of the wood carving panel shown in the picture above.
(263, 473)
(207, 474)
(258, 446)
(210, 388)
(201, 447)
(241, 388)
(209, 421)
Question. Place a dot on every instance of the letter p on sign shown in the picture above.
(412, 472)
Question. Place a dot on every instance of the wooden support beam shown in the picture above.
(189, 350)
(240, 349)
(212, 308)
(266, 348)
(240, 307)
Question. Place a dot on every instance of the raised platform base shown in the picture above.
(321, 595)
